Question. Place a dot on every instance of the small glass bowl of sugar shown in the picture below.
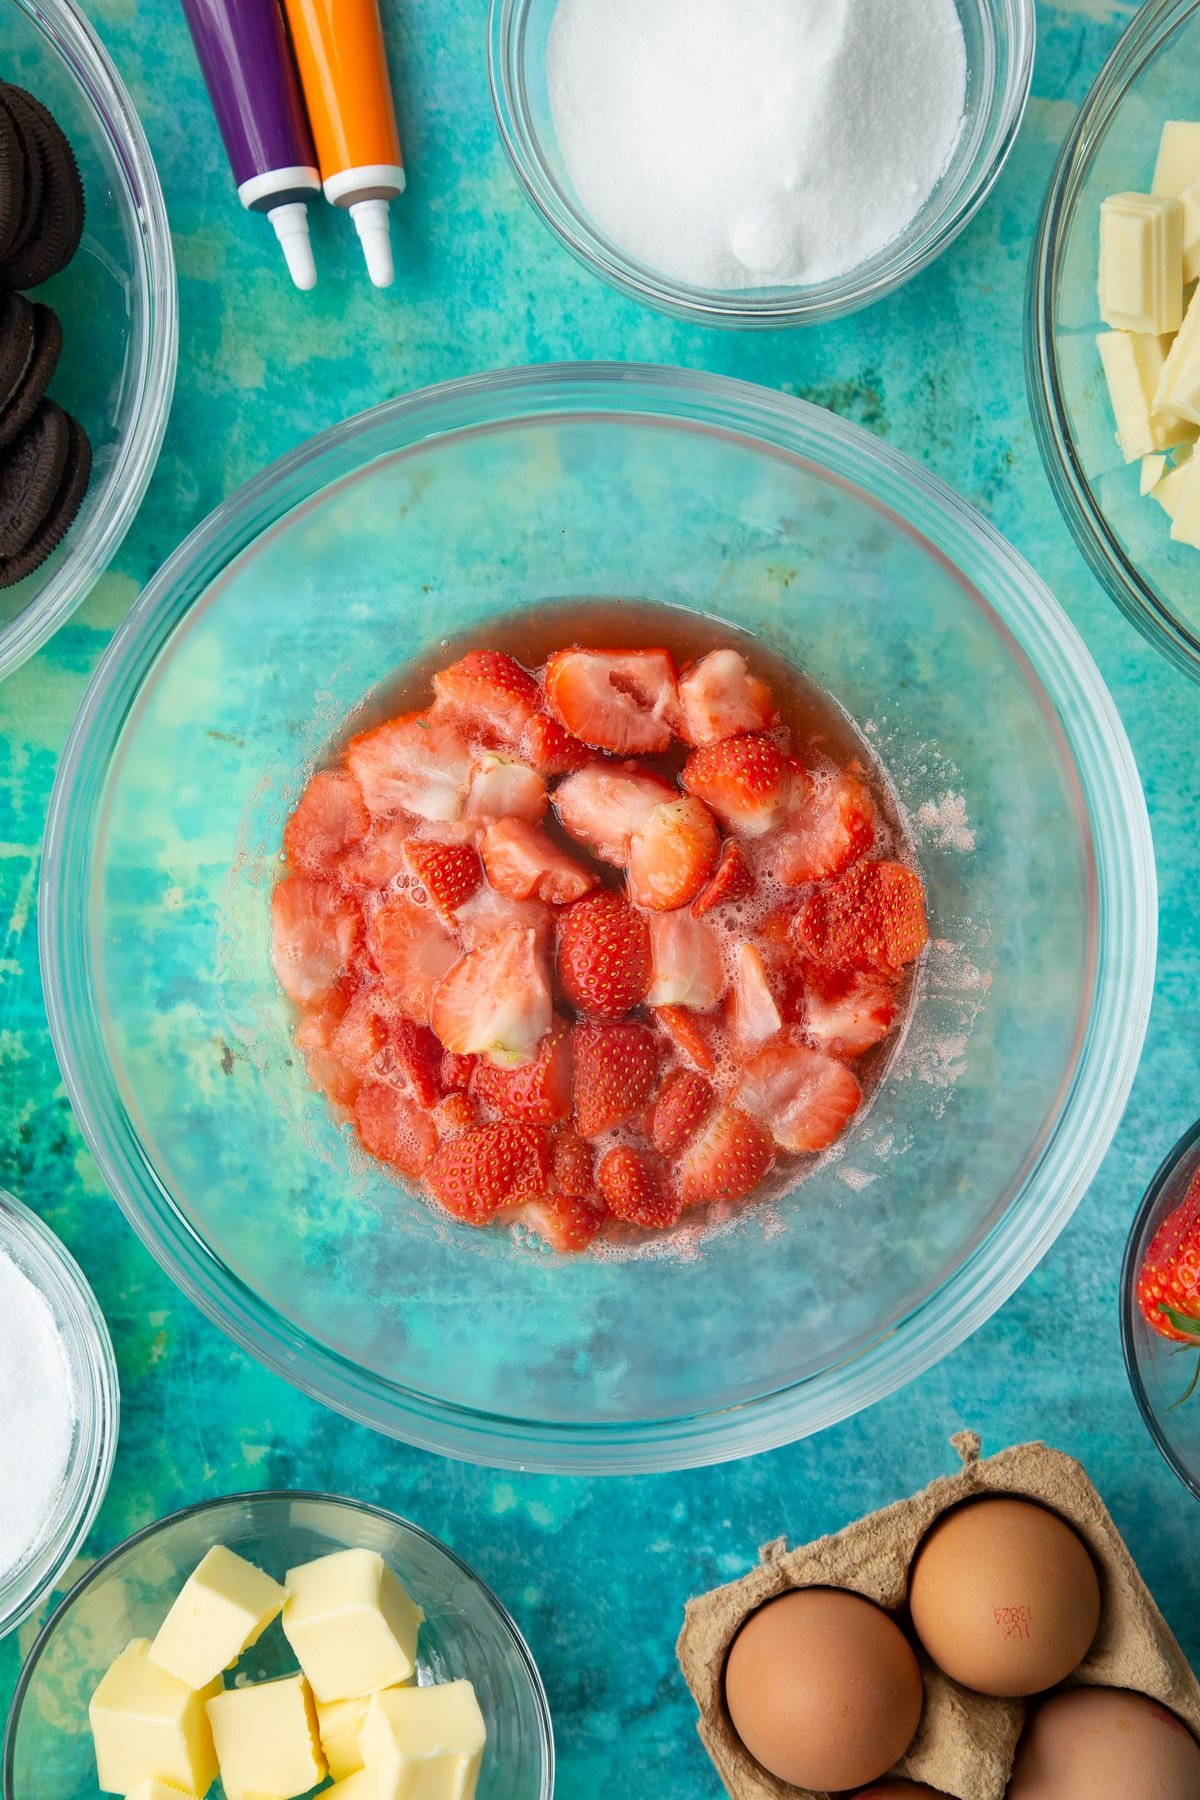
(59, 1410)
(758, 162)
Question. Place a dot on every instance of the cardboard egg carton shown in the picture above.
(965, 1742)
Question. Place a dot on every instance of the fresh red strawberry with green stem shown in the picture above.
(1168, 1283)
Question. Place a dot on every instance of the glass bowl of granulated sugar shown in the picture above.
(759, 162)
(58, 1410)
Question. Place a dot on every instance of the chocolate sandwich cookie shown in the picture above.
(55, 234)
(12, 181)
(39, 370)
(68, 498)
(16, 344)
(30, 471)
(26, 125)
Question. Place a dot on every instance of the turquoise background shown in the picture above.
(595, 1572)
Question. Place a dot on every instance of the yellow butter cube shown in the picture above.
(358, 1786)
(1141, 263)
(223, 1609)
(157, 1790)
(267, 1739)
(340, 1723)
(147, 1726)
(351, 1624)
(425, 1743)
(1133, 365)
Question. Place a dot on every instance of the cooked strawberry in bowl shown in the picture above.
(484, 908)
(1160, 1309)
(586, 945)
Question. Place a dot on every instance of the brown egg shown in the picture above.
(1108, 1745)
(1004, 1597)
(823, 1689)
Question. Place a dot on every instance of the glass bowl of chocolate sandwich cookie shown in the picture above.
(88, 329)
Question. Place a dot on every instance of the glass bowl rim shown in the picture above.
(769, 423)
(89, 554)
(1188, 1144)
(1138, 600)
(98, 1407)
(306, 1496)
(781, 306)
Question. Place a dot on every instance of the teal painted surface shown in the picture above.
(596, 1573)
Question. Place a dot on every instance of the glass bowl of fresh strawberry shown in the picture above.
(1160, 1309)
(597, 918)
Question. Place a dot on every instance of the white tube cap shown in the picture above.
(374, 228)
(291, 228)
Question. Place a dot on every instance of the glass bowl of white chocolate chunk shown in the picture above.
(1113, 337)
(283, 1644)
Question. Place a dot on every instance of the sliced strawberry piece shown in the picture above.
(687, 1035)
(540, 1092)
(638, 1189)
(525, 864)
(719, 698)
(332, 1078)
(330, 815)
(502, 788)
(872, 917)
(680, 1107)
(804, 1098)
(455, 1073)
(846, 1014)
(726, 1159)
(618, 700)
(488, 912)
(416, 764)
(488, 689)
(603, 805)
(754, 1016)
(550, 749)
(319, 1022)
(377, 860)
(495, 1002)
(687, 968)
(572, 1164)
(473, 1176)
(449, 873)
(827, 829)
(455, 1116)
(747, 781)
(672, 855)
(413, 952)
(604, 956)
(733, 880)
(615, 1070)
(395, 1129)
(411, 1058)
(315, 929)
(567, 1222)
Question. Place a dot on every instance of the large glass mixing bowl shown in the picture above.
(433, 514)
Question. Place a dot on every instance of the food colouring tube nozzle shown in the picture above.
(343, 68)
(244, 56)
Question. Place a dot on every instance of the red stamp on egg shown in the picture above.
(1014, 1621)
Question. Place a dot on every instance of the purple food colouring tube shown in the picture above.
(247, 66)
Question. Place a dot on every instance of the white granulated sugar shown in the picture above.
(742, 143)
(37, 1416)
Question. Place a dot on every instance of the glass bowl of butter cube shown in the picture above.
(1113, 338)
(280, 1644)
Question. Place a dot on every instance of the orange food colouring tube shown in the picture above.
(343, 69)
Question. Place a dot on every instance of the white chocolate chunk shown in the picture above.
(1133, 365)
(148, 1727)
(351, 1624)
(1141, 263)
(1178, 390)
(1153, 470)
(223, 1608)
(1185, 522)
(425, 1743)
(1178, 164)
(1190, 202)
(1170, 490)
(266, 1739)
